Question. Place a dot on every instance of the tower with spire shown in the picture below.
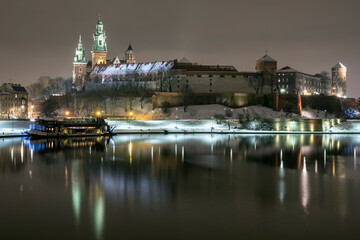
(79, 65)
(338, 80)
(99, 48)
(130, 55)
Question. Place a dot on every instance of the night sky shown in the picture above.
(39, 37)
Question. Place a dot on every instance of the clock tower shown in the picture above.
(99, 48)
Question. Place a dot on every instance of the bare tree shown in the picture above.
(186, 96)
(255, 82)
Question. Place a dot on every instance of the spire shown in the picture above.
(130, 55)
(99, 19)
(80, 53)
(99, 37)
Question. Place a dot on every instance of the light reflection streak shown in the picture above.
(304, 186)
(152, 154)
(99, 213)
(182, 153)
(175, 152)
(130, 152)
(354, 158)
(22, 152)
(76, 190)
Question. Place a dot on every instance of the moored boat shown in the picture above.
(69, 127)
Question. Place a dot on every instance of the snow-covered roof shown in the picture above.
(287, 69)
(339, 65)
(266, 58)
(126, 68)
(184, 60)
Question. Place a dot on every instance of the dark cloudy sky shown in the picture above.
(39, 37)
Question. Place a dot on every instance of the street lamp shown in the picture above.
(130, 115)
(98, 113)
(67, 113)
(176, 117)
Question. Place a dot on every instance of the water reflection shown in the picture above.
(112, 182)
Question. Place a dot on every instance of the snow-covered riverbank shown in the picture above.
(12, 128)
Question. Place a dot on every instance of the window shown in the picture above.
(234, 76)
(80, 69)
(210, 75)
(100, 42)
(210, 84)
(222, 76)
(210, 90)
(199, 76)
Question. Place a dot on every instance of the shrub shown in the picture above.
(219, 118)
(165, 108)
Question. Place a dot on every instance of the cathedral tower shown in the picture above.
(130, 55)
(99, 48)
(338, 77)
(79, 65)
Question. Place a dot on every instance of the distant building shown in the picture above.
(147, 75)
(292, 81)
(208, 78)
(338, 77)
(267, 66)
(130, 55)
(13, 101)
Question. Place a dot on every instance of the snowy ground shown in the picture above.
(144, 111)
(206, 112)
(350, 126)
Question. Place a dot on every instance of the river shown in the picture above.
(181, 187)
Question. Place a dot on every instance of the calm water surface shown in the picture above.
(181, 187)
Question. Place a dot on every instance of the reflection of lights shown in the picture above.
(22, 152)
(324, 157)
(175, 151)
(76, 189)
(182, 153)
(130, 152)
(354, 158)
(304, 185)
(152, 153)
(281, 159)
(99, 215)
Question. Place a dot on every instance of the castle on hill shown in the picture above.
(175, 76)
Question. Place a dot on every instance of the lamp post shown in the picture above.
(130, 115)
(212, 123)
(176, 117)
